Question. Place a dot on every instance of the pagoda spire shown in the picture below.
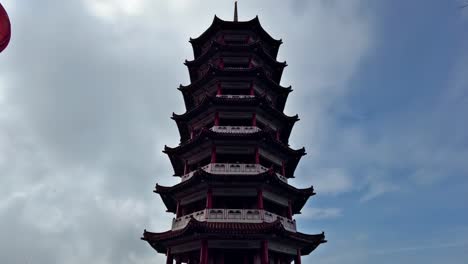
(235, 12)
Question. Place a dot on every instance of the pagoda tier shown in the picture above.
(248, 180)
(249, 145)
(236, 56)
(235, 81)
(234, 32)
(236, 243)
(243, 110)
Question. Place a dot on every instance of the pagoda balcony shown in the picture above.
(234, 216)
(235, 129)
(235, 96)
(234, 169)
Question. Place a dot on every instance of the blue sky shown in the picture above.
(407, 103)
(381, 87)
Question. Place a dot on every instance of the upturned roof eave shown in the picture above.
(217, 47)
(212, 70)
(219, 23)
(307, 242)
(212, 100)
(208, 134)
(200, 175)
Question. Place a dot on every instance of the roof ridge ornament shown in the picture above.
(236, 19)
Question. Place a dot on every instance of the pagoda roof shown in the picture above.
(219, 24)
(213, 71)
(210, 101)
(198, 229)
(235, 100)
(263, 136)
(216, 46)
(256, 47)
(300, 196)
(237, 72)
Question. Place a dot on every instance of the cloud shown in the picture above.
(110, 10)
(320, 213)
(377, 187)
(85, 101)
(332, 181)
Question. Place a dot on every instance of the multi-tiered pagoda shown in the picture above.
(234, 204)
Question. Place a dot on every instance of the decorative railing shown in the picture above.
(246, 67)
(235, 129)
(233, 169)
(234, 216)
(235, 96)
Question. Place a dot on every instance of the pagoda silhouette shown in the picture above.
(234, 204)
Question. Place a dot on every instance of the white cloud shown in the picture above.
(320, 213)
(112, 9)
(377, 187)
(332, 181)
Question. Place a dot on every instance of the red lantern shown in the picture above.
(5, 29)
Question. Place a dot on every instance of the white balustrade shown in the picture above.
(235, 129)
(234, 169)
(234, 216)
(235, 96)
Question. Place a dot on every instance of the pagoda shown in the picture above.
(234, 204)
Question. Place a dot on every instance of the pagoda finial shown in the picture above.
(235, 12)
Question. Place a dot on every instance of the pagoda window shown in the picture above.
(232, 256)
(236, 91)
(236, 39)
(236, 88)
(236, 62)
(247, 158)
(235, 121)
(234, 202)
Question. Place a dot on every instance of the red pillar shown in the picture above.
(257, 156)
(264, 253)
(216, 120)
(277, 135)
(204, 252)
(178, 211)
(278, 259)
(213, 154)
(254, 119)
(169, 259)
(252, 88)
(283, 168)
(209, 198)
(221, 63)
(218, 91)
(250, 62)
(260, 199)
(289, 210)
(298, 257)
(186, 168)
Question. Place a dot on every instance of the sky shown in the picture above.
(87, 88)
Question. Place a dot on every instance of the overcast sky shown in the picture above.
(87, 88)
